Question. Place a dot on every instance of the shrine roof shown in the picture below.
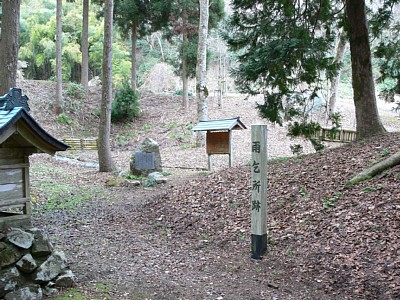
(19, 129)
(216, 125)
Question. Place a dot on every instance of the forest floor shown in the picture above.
(190, 238)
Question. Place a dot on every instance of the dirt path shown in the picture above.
(108, 245)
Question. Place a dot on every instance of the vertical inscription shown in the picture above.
(259, 190)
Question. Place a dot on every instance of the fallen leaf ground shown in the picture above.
(190, 238)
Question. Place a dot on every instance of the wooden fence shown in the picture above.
(338, 135)
(81, 144)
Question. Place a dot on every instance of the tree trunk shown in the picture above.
(85, 46)
(224, 68)
(340, 51)
(161, 47)
(185, 79)
(106, 163)
(57, 103)
(201, 70)
(367, 117)
(134, 59)
(220, 75)
(9, 44)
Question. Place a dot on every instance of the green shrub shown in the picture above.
(126, 104)
(307, 130)
(75, 90)
(74, 97)
(180, 93)
(64, 119)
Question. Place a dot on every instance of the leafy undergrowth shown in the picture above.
(345, 242)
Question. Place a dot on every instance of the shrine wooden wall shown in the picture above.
(14, 187)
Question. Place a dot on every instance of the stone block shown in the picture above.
(27, 264)
(41, 245)
(10, 280)
(9, 254)
(20, 238)
(31, 292)
(65, 280)
(51, 268)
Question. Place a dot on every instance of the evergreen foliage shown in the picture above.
(37, 42)
(308, 130)
(387, 51)
(284, 49)
(136, 18)
(150, 16)
(187, 50)
(126, 104)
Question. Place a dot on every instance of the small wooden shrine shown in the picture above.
(219, 136)
(20, 136)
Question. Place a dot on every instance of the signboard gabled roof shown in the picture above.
(216, 125)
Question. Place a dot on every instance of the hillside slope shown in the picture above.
(345, 243)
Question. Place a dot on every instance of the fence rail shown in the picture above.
(342, 135)
(81, 144)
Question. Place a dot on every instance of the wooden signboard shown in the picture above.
(219, 136)
(218, 142)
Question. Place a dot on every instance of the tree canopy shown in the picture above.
(285, 51)
(149, 16)
(386, 27)
(184, 19)
(183, 30)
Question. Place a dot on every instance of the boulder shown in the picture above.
(20, 238)
(157, 177)
(146, 158)
(50, 291)
(31, 292)
(9, 254)
(10, 281)
(51, 268)
(41, 245)
(65, 280)
(27, 264)
(95, 81)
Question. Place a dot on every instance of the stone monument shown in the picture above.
(146, 158)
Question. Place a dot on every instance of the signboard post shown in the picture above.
(259, 190)
(219, 143)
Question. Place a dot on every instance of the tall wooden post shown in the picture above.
(259, 190)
